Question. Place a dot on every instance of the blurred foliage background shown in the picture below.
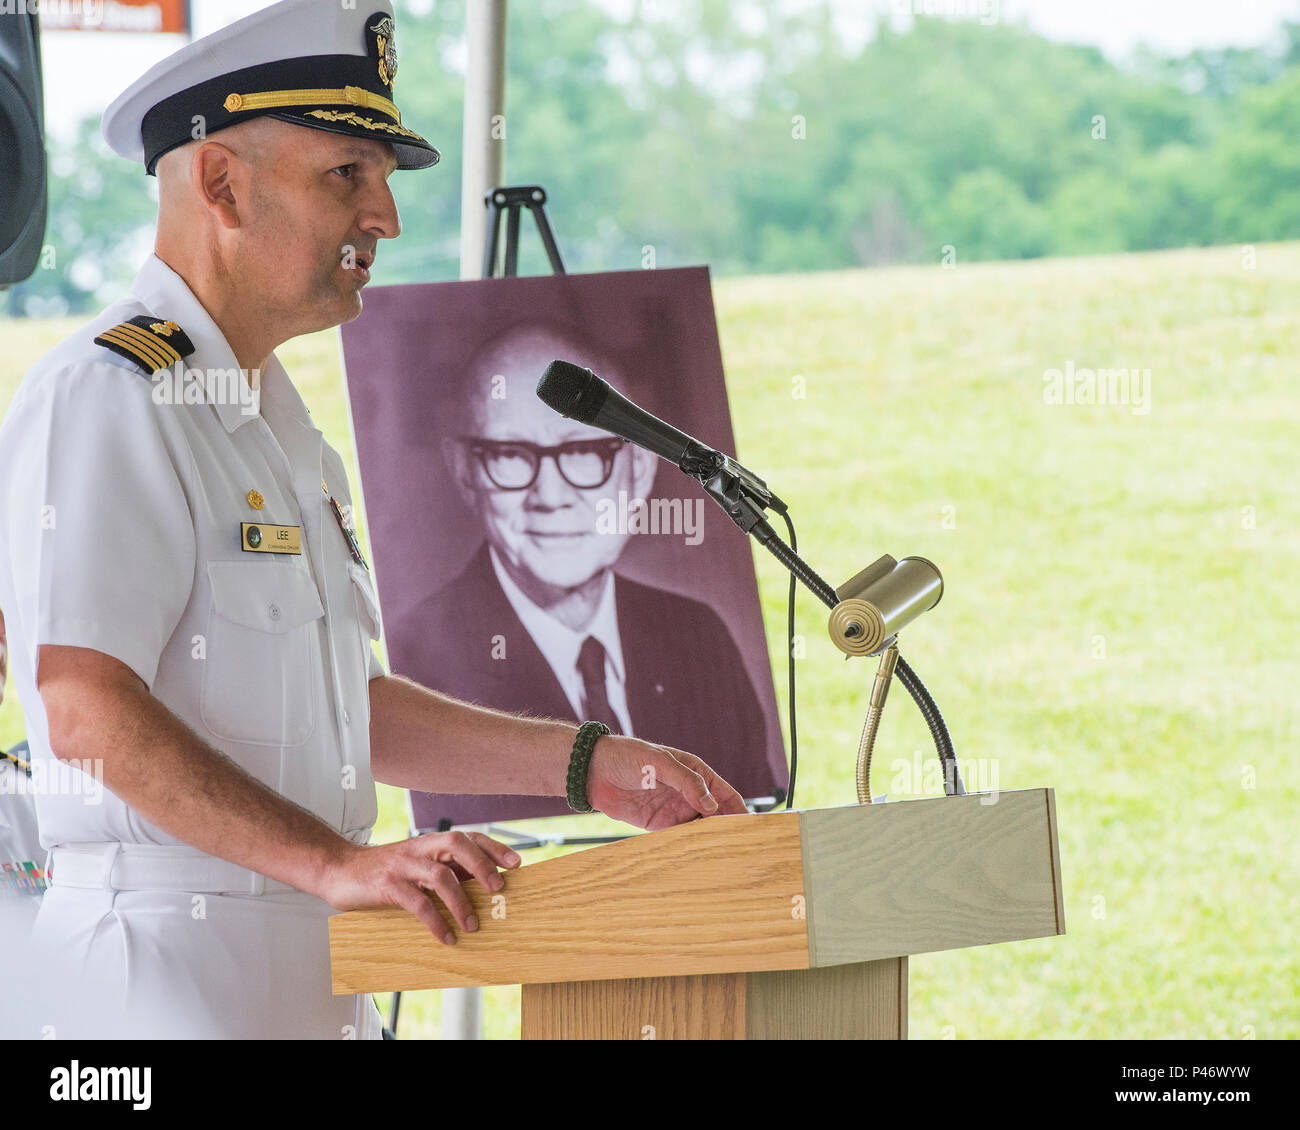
(757, 140)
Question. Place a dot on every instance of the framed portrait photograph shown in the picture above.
(542, 566)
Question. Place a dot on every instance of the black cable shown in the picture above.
(789, 655)
(952, 782)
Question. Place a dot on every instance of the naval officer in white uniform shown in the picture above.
(188, 612)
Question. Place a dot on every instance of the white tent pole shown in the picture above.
(462, 1009)
(462, 1014)
(484, 142)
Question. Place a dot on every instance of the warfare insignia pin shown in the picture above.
(386, 48)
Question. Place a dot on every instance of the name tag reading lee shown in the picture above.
(256, 537)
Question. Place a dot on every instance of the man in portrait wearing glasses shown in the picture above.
(539, 621)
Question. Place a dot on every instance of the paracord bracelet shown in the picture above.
(584, 744)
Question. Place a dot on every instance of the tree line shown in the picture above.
(681, 133)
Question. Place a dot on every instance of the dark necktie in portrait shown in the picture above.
(591, 666)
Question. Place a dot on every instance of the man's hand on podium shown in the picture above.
(417, 874)
(655, 786)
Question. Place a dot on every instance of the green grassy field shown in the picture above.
(1118, 620)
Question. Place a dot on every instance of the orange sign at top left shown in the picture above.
(170, 16)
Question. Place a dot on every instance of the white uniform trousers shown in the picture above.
(118, 961)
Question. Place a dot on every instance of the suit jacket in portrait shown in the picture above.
(685, 679)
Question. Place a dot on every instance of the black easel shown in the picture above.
(510, 199)
(532, 197)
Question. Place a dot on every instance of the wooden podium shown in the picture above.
(789, 925)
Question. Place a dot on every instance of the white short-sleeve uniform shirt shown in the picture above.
(121, 505)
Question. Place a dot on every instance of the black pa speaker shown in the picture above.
(22, 146)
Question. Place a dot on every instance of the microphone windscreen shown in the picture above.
(574, 392)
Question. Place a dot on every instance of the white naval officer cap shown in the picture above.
(323, 64)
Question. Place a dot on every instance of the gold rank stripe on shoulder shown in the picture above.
(152, 343)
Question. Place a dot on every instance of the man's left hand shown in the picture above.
(655, 786)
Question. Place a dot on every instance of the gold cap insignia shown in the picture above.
(386, 46)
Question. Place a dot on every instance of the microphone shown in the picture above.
(578, 394)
